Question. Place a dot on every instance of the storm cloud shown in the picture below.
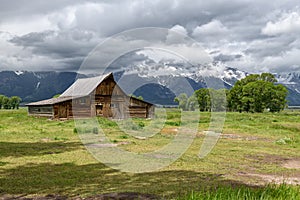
(58, 35)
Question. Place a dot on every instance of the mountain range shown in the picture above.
(158, 85)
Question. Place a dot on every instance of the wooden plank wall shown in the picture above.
(46, 110)
(116, 104)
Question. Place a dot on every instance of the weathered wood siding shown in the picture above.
(111, 101)
(82, 107)
(43, 110)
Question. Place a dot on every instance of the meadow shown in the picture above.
(256, 157)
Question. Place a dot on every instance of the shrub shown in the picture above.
(95, 130)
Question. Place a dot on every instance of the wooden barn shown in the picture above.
(90, 97)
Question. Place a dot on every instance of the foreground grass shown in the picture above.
(281, 192)
(39, 157)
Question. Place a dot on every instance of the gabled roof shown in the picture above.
(80, 88)
(50, 101)
(84, 86)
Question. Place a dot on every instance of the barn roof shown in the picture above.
(50, 101)
(84, 86)
(80, 88)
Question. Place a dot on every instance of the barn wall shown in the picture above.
(80, 107)
(41, 110)
(108, 99)
(111, 101)
(138, 108)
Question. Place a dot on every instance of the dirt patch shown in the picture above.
(286, 162)
(169, 131)
(268, 159)
(104, 145)
(292, 164)
(239, 137)
(45, 140)
(275, 179)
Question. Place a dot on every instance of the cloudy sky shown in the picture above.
(57, 35)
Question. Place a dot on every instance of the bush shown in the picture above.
(172, 123)
(95, 130)
(141, 124)
(75, 130)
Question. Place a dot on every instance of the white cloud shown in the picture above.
(286, 62)
(287, 23)
(215, 27)
(179, 29)
(35, 23)
(177, 34)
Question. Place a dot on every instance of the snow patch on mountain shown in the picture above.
(38, 85)
(19, 72)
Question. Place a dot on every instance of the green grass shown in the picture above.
(281, 192)
(40, 156)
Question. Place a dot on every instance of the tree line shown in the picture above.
(254, 93)
(10, 102)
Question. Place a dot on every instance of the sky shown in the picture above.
(58, 35)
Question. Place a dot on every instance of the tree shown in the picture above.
(139, 97)
(255, 93)
(56, 96)
(192, 103)
(203, 99)
(15, 102)
(182, 101)
(217, 99)
(6, 102)
(277, 100)
(1, 100)
(268, 77)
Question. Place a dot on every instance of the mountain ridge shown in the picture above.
(157, 89)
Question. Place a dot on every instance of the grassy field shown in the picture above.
(255, 153)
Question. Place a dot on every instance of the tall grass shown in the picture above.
(270, 192)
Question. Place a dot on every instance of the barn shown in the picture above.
(90, 97)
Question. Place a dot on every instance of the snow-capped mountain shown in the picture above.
(158, 83)
(34, 86)
(176, 78)
(292, 82)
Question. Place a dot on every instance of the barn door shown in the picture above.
(63, 110)
(99, 110)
